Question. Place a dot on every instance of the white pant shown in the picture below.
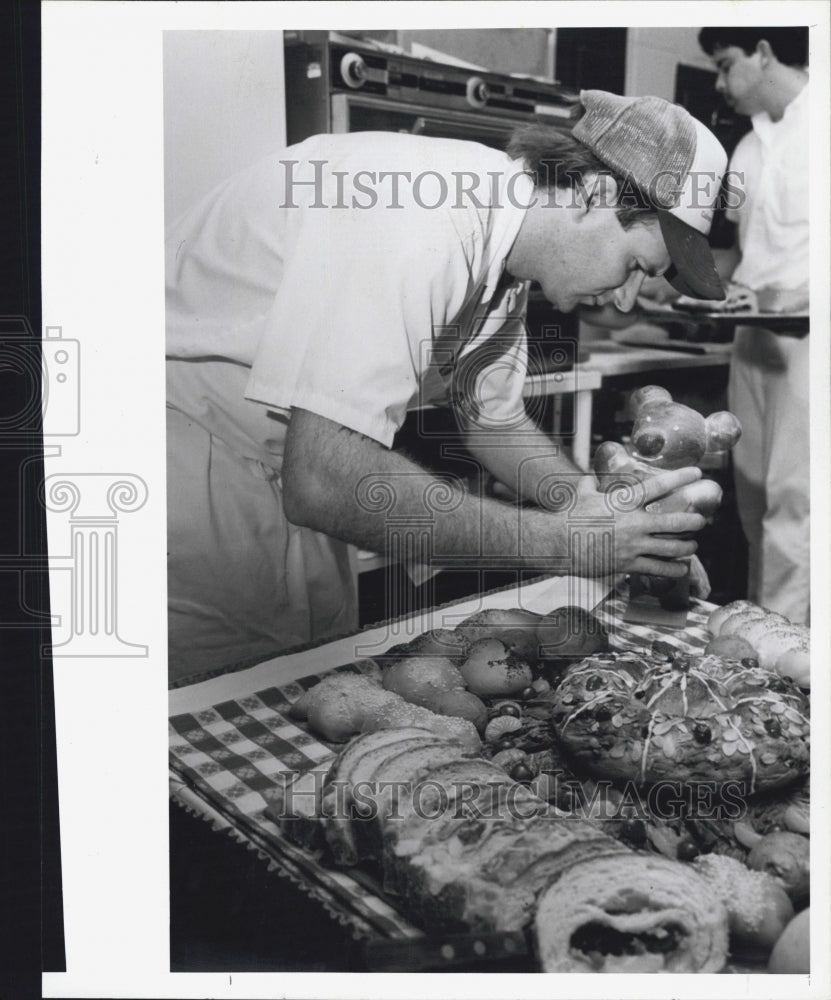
(768, 392)
(243, 583)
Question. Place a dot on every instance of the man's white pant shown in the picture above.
(243, 582)
(768, 392)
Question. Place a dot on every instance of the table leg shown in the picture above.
(582, 426)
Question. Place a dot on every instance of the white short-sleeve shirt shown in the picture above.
(771, 162)
(347, 275)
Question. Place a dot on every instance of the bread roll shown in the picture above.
(796, 663)
(344, 704)
(791, 954)
(776, 642)
(758, 908)
(718, 616)
(631, 913)
(780, 645)
(739, 622)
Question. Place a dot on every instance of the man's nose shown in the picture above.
(721, 85)
(626, 295)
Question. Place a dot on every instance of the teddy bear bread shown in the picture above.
(647, 716)
(667, 435)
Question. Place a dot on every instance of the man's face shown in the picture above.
(739, 78)
(597, 262)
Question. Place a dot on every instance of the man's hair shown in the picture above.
(555, 159)
(790, 45)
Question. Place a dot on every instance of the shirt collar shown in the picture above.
(765, 127)
(515, 194)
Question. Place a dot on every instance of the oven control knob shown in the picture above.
(353, 70)
(477, 92)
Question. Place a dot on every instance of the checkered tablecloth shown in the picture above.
(230, 759)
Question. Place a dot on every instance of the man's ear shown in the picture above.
(766, 53)
(598, 191)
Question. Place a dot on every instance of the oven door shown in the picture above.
(364, 113)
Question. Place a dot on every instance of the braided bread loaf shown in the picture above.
(780, 645)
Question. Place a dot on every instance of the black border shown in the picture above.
(31, 938)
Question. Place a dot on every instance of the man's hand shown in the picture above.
(613, 533)
(699, 581)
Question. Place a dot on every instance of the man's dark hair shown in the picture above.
(555, 159)
(790, 45)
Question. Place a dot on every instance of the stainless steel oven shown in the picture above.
(336, 83)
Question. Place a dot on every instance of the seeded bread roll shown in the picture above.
(738, 624)
(647, 717)
(344, 704)
(780, 645)
(720, 615)
(630, 913)
(758, 908)
(402, 713)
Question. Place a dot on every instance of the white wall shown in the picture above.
(652, 55)
(224, 106)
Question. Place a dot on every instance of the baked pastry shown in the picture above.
(630, 913)
(758, 908)
(466, 848)
(646, 717)
(394, 715)
(336, 811)
(780, 645)
(436, 642)
(516, 627)
(344, 704)
(486, 875)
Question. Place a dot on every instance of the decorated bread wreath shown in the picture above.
(650, 716)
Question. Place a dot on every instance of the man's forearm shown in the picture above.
(346, 485)
(353, 489)
(527, 461)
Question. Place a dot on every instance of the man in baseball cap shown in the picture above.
(676, 161)
(308, 313)
(656, 166)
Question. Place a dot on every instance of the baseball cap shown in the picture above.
(677, 162)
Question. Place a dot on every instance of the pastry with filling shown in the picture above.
(630, 913)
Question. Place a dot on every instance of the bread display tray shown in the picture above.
(232, 747)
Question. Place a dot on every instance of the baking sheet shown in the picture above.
(785, 324)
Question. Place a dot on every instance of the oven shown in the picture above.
(336, 83)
